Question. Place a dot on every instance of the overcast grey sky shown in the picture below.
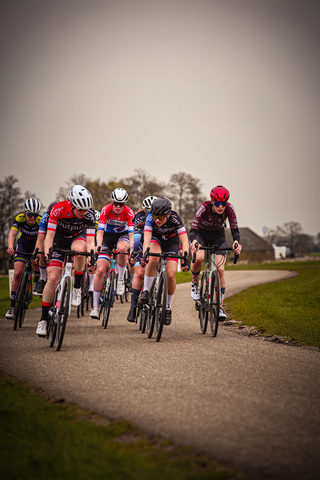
(226, 90)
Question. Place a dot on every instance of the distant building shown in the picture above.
(254, 248)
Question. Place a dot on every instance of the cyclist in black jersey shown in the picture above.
(208, 227)
(24, 229)
(162, 232)
(137, 270)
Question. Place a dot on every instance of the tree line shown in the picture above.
(184, 190)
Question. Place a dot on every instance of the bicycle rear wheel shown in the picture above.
(109, 300)
(63, 311)
(203, 313)
(151, 307)
(214, 302)
(20, 300)
(160, 310)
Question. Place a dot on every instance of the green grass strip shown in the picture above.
(40, 439)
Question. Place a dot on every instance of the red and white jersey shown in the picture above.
(64, 222)
(109, 222)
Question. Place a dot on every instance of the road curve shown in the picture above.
(250, 404)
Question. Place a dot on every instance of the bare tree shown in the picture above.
(11, 202)
(185, 192)
(141, 185)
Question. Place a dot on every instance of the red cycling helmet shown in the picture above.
(219, 194)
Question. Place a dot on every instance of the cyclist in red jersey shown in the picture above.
(115, 230)
(208, 227)
(71, 225)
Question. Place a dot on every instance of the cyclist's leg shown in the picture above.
(18, 269)
(79, 245)
(221, 260)
(150, 269)
(196, 269)
(122, 246)
(135, 291)
(54, 271)
(103, 265)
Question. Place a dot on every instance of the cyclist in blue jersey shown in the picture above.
(139, 223)
(208, 227)
(40, 245)
(25, 230)
(162, 232)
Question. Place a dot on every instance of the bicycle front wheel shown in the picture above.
(53, 317)
(151, 309)
(203, 312)
(63, 312)
(214, 302)
(160, 310)
(27, 298)
(20, 300)
(109, 300)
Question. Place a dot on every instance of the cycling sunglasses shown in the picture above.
(217, 204)
(159, 217)
(117, 204)
(32, 215)
(81, 210)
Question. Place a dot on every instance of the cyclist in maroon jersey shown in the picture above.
(208, 227)
(71, 225)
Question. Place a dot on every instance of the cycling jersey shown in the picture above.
(109, 222)
(172, 228)
(207, 220)
(44, 220)
(28, 232)
(63, 221)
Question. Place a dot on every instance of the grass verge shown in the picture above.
(40, 439)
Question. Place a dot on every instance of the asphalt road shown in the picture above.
(251, 404)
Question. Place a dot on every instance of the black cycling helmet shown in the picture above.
(161, 206)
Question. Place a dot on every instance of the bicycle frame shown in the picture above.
(210, 294)
(24, 292)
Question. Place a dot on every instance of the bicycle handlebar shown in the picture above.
(32, 255)
(72, 253)
(164, 255)
(213, 249)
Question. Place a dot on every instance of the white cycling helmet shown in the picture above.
(80, 197)
(119, 195)
(32, 205)
(97, 215)
(147, 202)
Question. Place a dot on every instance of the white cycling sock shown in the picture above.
(147, 282)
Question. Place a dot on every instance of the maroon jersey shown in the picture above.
(207, 220)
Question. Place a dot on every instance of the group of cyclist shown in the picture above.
(75, 224)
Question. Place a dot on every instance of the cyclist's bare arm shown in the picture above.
(146, 240)
(48, 241)
(11, 240)
(99, 238)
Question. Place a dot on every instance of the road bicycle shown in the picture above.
(210, 293)
(61, 306)
(86, 295)
(154, 314)
(110, 288)
(24, 292)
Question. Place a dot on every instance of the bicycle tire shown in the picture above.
(52, 324)
(109, 300)
(151, 317)
(63, 312)
(160, 310)
(214, 302)
(143, 318)
(20, 297)
(203, 313)
(126, 283)
(26, 300)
